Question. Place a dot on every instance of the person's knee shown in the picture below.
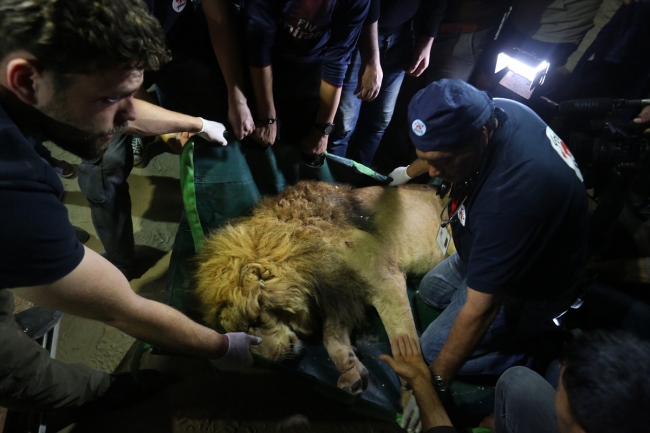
(516, 383)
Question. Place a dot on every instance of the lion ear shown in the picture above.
(252, 276)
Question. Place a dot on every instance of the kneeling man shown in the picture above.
(518, 212)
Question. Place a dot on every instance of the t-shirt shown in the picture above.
(304, 31)
(523, 229)
(395, 14)
(37, 242)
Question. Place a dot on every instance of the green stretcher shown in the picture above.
(220, 183)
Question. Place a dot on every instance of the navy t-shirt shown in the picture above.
(37, 242)
(524, 227)
(304, 31)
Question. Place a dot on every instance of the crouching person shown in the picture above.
(69, 70)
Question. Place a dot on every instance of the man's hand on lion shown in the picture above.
(238, 355)
(408, 363)
(407, 360)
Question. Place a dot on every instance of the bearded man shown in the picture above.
(69, 72)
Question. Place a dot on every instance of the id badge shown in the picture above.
(443, 239)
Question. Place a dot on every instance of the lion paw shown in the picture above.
(355, 380)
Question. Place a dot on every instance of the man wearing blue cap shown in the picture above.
(518, 212)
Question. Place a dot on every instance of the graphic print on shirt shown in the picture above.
(563, 151)
(308, 19)
(179, 5)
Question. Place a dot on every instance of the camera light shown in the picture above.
(520, 68)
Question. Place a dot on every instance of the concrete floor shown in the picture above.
(157, 207)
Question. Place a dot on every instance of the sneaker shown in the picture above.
(138, 150)
(82, 235)
(63, 168)
(37, 321)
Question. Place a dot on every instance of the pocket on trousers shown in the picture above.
(91, 180)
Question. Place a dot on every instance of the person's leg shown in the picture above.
(524, 403)
(103, 182)
(455, 56)
(395, 54)
(32, 381)
(348, 111)
(443, 288)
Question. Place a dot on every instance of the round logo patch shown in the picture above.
(419, 128)
(179, 5)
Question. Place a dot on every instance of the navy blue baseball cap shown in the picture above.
(447, 114)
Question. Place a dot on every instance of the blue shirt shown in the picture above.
(37, 242)
(524, 229)
(305, 31)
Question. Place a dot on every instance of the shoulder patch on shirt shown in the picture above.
(563, 151)
(179, 5)
(462, 215)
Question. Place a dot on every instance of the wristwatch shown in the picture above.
(267, 121)
(440, 383)
(325, 128)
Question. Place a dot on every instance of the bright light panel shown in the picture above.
(519, 68)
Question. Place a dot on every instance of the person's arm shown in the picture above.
(370, 73)
(225, 44)
(408, 363)
(401, 175)
(265, 132)
(261, 26)
(421, 56)
(427, 19)
(471, 324)
(97, 290)
(155, 120)
(644, 117)
(315, 143)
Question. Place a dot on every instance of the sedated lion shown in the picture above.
(312, 259)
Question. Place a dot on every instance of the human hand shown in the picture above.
(238, 355)
(407, 359)
(400, 176)
(176, 141)
(240, 118)
(212, 131)
(411, 416)
(265, 134)
(314, 143)
(643, 117)
(421, 56)
(370, 77)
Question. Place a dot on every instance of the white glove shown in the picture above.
(399, 176)
(212, 131)
(411, 417)
(238, 355)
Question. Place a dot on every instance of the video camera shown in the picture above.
(601, 138)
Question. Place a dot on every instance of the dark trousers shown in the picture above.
(103, 182)
(32, 381)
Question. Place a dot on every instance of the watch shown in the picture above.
(440, 383)
(325, 128)
(267, 121)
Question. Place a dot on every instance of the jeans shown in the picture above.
(360, 125)
(455, 55)
(519, 328)
(103, 182)
(524, 403)
(32, 381)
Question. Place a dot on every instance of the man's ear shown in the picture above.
(23, 79)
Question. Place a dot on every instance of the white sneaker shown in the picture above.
(138, 150)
